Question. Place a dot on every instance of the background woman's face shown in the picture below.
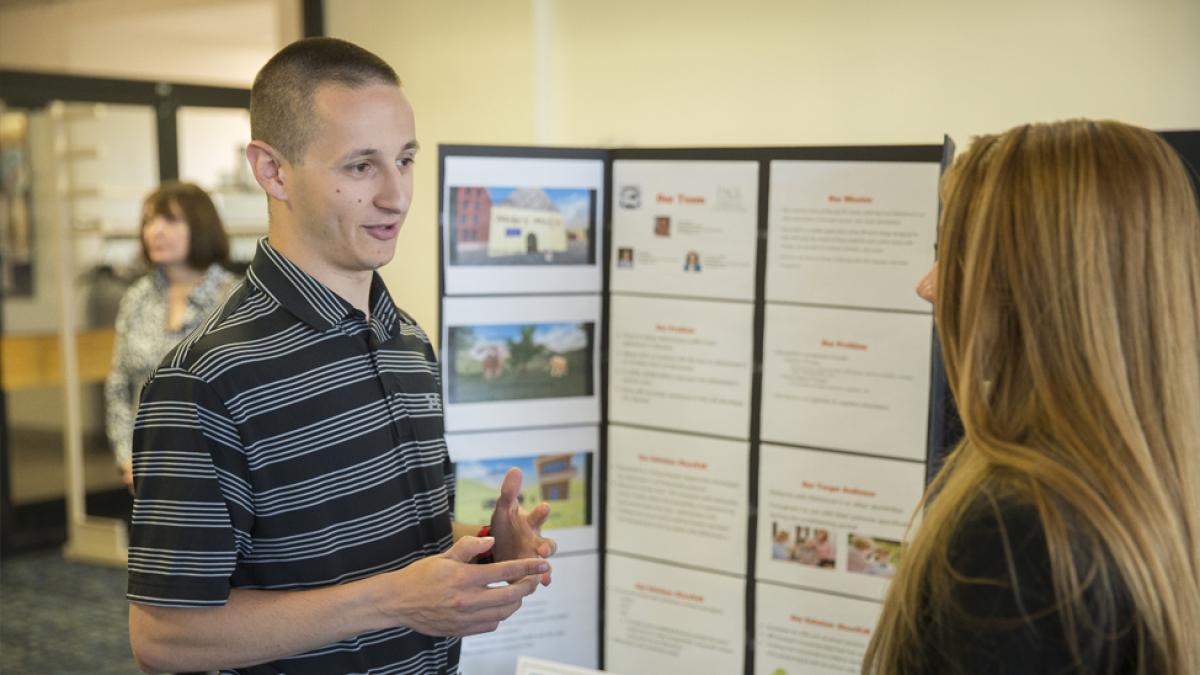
(166, 238)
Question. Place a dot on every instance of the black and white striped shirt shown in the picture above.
(288, 443)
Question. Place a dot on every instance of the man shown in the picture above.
(293, 486)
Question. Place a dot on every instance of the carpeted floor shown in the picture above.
(59, 617)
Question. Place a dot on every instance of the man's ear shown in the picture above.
(268, 167)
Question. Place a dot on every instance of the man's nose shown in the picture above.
(396, 193)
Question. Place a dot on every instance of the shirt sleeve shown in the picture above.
(187, 464)
(118, 387)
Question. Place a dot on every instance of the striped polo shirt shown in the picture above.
(291, 443)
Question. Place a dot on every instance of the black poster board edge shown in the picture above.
(945, 429)
(1186, 144)
(602, 485)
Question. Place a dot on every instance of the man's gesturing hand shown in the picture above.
(447, 595)
(518, 532)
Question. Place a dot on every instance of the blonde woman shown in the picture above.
(1063, 533)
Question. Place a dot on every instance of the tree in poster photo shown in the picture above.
(508, 362)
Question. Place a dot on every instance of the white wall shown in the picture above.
(761, 72)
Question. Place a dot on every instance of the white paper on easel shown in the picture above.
(847, 379)
(856, 234)
(521, 361)
(560, 466)
(528, 665)
(833, 521)
(681, 364)
(799, 631)
(521, 224)
(671, 495)
(685, 227)
(666, 619)
(559, 622)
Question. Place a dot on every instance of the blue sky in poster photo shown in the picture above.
(574, 203)
(491, 471)
(557, 337)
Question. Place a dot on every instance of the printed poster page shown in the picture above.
(681, 364)
(685, 227)
(559, 622)
(672, 495)
(560, 466)
(520, 361)
(851, 233)
(799, 632)
(833, 521)
(528, 665)
(847, 379)
(666, 619)
(521, 225)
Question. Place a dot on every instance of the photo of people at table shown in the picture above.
(804, 544)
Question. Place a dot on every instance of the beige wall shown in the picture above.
(220, 42)
(468, 68)
(761, 72)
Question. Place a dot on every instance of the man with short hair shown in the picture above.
(294, 493)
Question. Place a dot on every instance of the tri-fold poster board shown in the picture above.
(713, 365)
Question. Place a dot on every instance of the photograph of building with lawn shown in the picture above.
(519, 361)
(564, 480)
(522, 226)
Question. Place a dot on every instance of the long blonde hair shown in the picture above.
(1069, 314)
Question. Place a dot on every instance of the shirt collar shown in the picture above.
(313, 302)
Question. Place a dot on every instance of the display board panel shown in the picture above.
(665, 619)
(833, 521)
(681, 364)
(686, 228)
(559, 622)
(855, 234)
(560, 466)
(847, 379)
(671, 495)
(520, 361)
(528, 665)
(514, 225)
(798, 631)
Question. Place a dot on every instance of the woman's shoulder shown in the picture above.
(216, 285)
(1004, 590)
(140, 291)
(994, 524)
(999, 553)
(219, 275)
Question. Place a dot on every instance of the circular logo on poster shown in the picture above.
(630, 197)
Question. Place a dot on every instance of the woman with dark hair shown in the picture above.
(187, 250)
(1062, 535)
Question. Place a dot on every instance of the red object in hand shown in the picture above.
(485, 557)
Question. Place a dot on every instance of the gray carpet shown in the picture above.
(62, 617)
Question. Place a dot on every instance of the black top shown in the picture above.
(1009, 624)
(290, 443)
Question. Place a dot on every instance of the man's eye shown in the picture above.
(361, 167)
(406, 161)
